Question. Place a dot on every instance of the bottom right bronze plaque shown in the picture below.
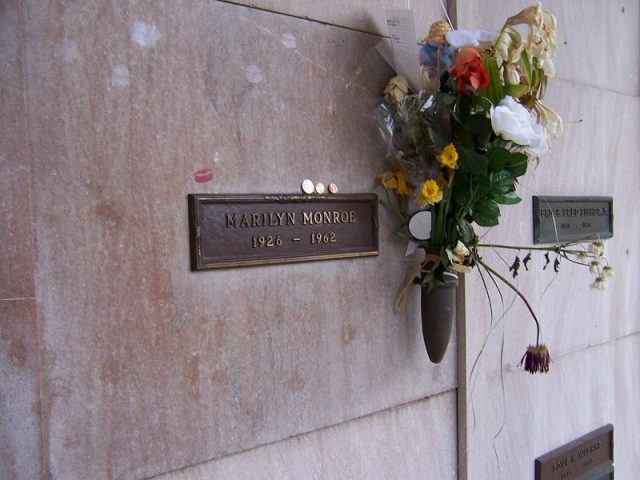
(588, 458)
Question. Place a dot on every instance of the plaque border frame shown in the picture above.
(540, 200)
(197, 200)
(602, 468)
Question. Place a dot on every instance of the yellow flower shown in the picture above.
(448, 157)
(396, 181)
(430, 193)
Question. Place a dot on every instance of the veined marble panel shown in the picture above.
(151, 367)
(20, 410)
(595, 156)
(586, 389)
(20, 445)
(410, 441)
(367, 16)
(16, 191)
(599, 42)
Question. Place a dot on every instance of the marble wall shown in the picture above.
(594, 337)
(117, 361)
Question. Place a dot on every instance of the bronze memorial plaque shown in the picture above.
(560, 219)
(588, 458)
(241, 230)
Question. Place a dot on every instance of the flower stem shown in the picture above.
(517, 247)
(513, 287)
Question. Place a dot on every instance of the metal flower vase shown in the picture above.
(438, 310)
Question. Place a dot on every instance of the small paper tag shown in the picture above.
(402, 31)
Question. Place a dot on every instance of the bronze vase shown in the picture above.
(438, 309)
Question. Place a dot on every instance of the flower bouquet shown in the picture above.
(460, 145)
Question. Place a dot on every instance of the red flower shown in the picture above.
(468, 70)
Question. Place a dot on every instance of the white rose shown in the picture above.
(511, 121)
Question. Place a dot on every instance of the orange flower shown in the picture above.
(468, 70)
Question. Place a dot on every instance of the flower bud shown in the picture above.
(599, 284)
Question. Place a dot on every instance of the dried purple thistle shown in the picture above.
(536, 359)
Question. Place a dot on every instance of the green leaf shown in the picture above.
(515, 91)
(480, 186)
(445, 98)
(466, 232)
(517, 164)
(526, 65)
(494, 91)
(502, 182)
(462, 138)
(438, 140)
(475, 124)
(509, 198)
(486, 213)
(463, 105)
(461, 191)
(498, 158)
(472, 162)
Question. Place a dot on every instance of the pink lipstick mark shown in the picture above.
(203, 175)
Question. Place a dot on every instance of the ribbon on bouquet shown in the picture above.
(413, 274)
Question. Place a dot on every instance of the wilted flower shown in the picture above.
(531, 15)
(512, 121)
(449, 156)
(607, 272)
(536, 359)
(599, 283)
(594, 267)
(396, 89)
(549, 119)
(460, 257)
(396, 181)
(543, 44)
(508, 51)
(583, 257)
(429, 193)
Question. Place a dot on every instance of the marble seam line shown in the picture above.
(290, 15)
(451, 7)
(42, 398)
(572, 352)
(304, 434)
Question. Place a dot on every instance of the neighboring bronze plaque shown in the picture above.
(560, 219)
(240, 230)
(588, 458)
